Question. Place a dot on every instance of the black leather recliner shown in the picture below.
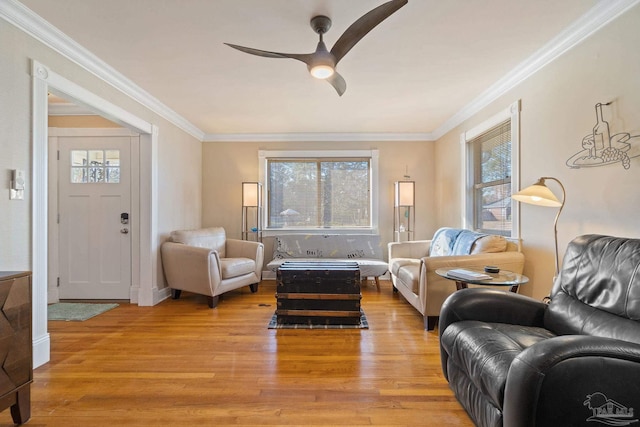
(514, 361)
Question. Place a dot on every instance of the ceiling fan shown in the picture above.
(322, 63)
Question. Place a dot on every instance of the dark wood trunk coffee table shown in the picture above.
(318, 293)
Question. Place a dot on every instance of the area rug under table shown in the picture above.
(76, 311)
(273, 324)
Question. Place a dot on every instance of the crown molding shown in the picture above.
(26, 20)
(600, 15)
(318, 137)
(597, 17)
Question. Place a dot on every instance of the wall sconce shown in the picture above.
(539, 194)
(403, 210)
(252, 211)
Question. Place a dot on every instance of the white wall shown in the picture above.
(227, 165)
(179, 166)
(557, 112)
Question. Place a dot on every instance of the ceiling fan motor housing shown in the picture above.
(321, 24)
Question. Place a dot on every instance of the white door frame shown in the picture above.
(145, 255)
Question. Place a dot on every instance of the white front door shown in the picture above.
(94, 205)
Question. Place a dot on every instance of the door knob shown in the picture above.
(125, 231)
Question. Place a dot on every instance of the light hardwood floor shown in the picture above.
(182, 364)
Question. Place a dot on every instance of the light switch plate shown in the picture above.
(16, 194)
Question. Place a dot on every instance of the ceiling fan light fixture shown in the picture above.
(322, 71)
(323, 64)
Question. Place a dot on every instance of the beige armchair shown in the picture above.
(206, 262)
(412, 265)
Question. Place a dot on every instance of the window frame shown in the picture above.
(372, 155)
(512, 114)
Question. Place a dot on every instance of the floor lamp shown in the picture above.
(404, 216)
(539, 194)
(252, 211)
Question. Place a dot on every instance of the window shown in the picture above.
(95, 166)
(319, 190)
(491, 158)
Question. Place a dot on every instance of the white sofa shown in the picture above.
(205, 262)
(413, 264)
(364, 249)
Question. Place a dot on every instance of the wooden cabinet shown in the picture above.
(16, 370)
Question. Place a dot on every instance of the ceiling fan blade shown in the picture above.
(337, 82)
(362, 26)
(304, 57)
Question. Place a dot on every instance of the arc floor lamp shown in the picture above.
(539, 194)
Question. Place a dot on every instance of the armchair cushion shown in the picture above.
(234, 267)
(487, 351)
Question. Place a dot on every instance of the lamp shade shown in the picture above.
(405, 193)
(538, 194)
(251, 194)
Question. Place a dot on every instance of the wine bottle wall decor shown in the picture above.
(601, 148)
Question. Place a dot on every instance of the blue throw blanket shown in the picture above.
(464, 242)
(443, 241)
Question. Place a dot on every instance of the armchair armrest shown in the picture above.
(243, 249)
(415, 249)
(246, 249)
(191, 268)
(566, 379)
(491, 305)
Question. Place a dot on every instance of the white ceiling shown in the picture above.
(411, 74)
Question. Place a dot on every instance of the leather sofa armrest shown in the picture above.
(564, 380)
(191, 268)
(415, 249)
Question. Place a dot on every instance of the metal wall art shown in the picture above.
(600, 148)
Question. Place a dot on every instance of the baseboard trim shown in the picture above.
(160, 295)
(41, 350)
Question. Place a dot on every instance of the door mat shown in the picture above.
(273, 324)
(76, 311)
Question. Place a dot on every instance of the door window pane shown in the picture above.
(95, 166)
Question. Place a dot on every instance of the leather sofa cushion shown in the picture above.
(483, 352)
(398, 263)
(410, 275)
(489, 244)
(234, 267)
(213, 238)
